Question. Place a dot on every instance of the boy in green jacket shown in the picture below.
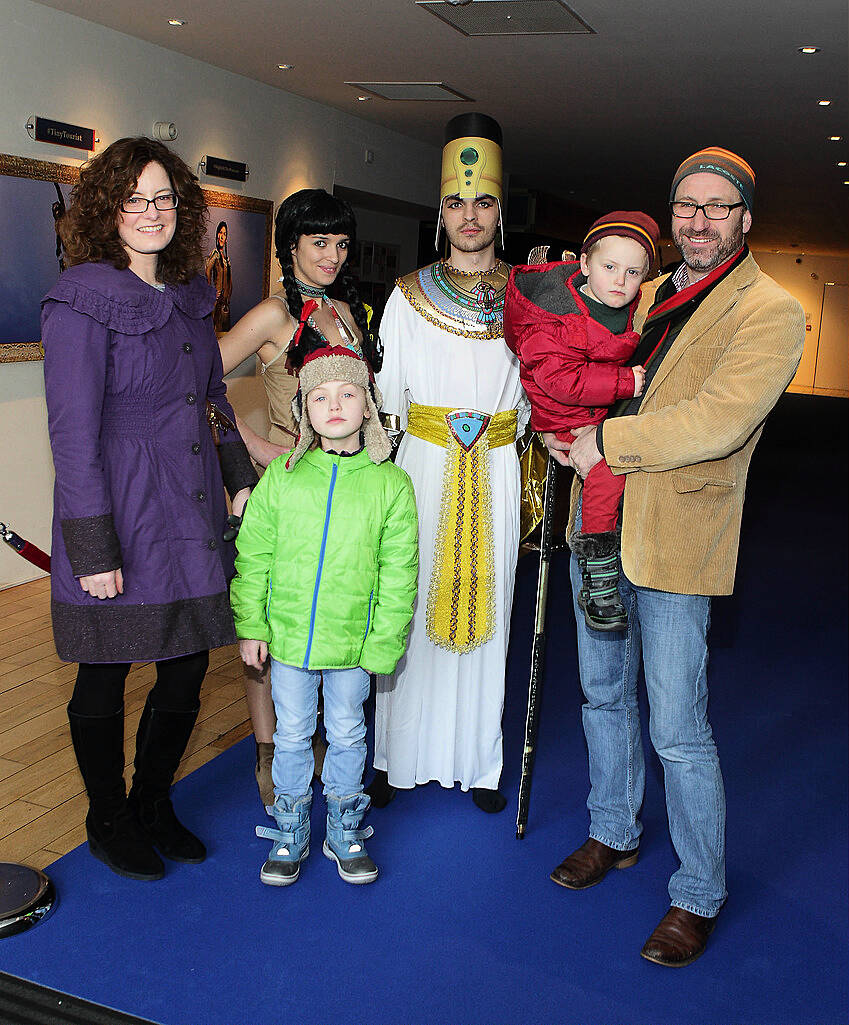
(326, 580)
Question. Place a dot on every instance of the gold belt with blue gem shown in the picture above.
(461, 596)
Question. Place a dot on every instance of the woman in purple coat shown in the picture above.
(140, 567)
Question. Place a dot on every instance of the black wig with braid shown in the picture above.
(316, 212)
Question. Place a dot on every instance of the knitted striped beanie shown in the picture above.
(630, 223)
(716, 160)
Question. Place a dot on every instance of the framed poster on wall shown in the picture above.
(34, 193)
(237, 254)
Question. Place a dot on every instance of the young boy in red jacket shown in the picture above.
(571, 325)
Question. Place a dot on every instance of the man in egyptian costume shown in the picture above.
(452, 386)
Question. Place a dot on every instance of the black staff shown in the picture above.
(538, 649)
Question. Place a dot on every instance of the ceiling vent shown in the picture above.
(509, 17)
(410, 90)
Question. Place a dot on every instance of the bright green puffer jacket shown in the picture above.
(327, 562)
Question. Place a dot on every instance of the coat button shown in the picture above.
(191, 398)
(201, 496)
(187, 346)
(196, 448)
(211, 544)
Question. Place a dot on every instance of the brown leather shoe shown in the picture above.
(590, 863)
(679, 938)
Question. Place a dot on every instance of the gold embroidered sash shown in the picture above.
(460, 612)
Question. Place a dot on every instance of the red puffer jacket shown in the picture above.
(571, 366)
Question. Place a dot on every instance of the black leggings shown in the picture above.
(99, 689)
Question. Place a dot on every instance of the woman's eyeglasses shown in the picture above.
(139, 205)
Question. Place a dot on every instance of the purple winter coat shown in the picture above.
(127, 372)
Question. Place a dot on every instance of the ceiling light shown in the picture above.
(363, 99)
(841, 163)
(835, 138)
(285, 67)
(824, 103)
(809, 49)
(177, 22)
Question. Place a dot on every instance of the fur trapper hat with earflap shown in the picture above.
(338, 363)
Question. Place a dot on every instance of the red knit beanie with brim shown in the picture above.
(630, 224)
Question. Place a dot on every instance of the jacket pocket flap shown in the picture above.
(685, 481)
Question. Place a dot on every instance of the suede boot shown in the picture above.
(319, 744)
(160, 742)
(264, 758)
(598, 557)
(114, 836)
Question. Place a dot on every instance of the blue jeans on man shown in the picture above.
(670, 630)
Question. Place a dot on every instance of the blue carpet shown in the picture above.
(464, 926)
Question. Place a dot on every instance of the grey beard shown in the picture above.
(703, 261)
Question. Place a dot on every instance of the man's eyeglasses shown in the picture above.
(713, 211)
(139, 205)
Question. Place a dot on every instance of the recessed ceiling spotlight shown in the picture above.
(362, 99)
(285, 67)
(809, 49)
(841, 163)
(835, 138)
(824, 103)
(177, 22)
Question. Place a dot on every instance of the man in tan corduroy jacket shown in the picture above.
(720, 344)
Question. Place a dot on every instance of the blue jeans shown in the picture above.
(670, 630)
(295, 694)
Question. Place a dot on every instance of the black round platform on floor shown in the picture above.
(26, 897)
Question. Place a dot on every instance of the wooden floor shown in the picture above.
(42, 801)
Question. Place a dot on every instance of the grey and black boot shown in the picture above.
(160, 742)
(291, 840)
(598, 557)
(114, 836)
(345, 836)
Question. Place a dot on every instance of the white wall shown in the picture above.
(62, 67)
(824, 369)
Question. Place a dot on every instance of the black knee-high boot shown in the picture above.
(160, 742)
(113, 834)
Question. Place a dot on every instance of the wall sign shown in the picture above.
(59, 133)
(217, 167)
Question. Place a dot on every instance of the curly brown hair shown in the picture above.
(89, 229)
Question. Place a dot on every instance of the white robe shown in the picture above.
(439, 716)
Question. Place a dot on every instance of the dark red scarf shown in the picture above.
(665, 320)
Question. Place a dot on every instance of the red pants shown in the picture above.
(600, 498)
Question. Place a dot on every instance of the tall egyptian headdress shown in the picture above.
(471, 162)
